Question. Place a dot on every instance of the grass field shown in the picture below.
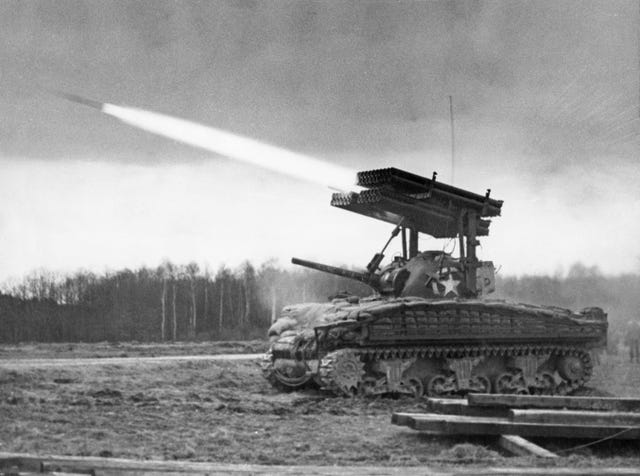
(226, 412)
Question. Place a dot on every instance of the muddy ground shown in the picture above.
(127, 349)
(224, 411)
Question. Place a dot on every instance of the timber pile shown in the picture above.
(517, 416)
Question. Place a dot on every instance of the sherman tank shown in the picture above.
(429, 328)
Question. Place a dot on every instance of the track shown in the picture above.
(70, 362)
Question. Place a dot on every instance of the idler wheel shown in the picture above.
(292, 378)
(571, 367)
(284, 377)
(440, 386)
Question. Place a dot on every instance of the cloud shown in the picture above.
(327, 78)
(545, 97)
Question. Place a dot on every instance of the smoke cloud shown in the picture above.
(236, 147)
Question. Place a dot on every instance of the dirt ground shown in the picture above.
(127, 349)
(225, 411)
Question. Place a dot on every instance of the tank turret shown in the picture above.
(429, 274)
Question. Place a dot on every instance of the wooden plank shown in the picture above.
(542, 401)
(458, 406)
(576, 417)
(403, 419)
(121, 467)
(519, 446)
(469, 425)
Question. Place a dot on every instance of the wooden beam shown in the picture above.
(540, 401)
(118, 466)
(459, 406)
(471, 425)
(575, 417)
(403, 419)
(522, 447)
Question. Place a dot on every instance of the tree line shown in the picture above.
(188, 302)
(168, 303)
(581, 287)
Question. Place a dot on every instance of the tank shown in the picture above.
(429, 327)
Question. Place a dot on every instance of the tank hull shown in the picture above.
(438, 347)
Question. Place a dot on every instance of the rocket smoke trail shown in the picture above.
(230, 145)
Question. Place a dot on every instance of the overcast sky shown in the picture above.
(546, 115)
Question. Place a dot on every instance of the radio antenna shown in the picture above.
(453, 142)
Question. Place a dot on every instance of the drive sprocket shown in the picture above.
(342, 372)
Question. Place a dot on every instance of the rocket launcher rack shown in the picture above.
(424, 205)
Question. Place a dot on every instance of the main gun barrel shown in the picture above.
(345, 273)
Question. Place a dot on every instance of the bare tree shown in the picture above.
(249, 291)
(222, 277)
(163, 273)
(172, 273)
(192, 272)
(207, 278)
(221, 313)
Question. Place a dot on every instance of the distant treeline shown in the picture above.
(175, 302)
(581, 287)
(169, 303)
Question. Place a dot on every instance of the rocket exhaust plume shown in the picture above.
(228, 144)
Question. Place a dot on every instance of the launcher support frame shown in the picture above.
(423, 205)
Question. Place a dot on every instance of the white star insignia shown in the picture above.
(450, 285)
